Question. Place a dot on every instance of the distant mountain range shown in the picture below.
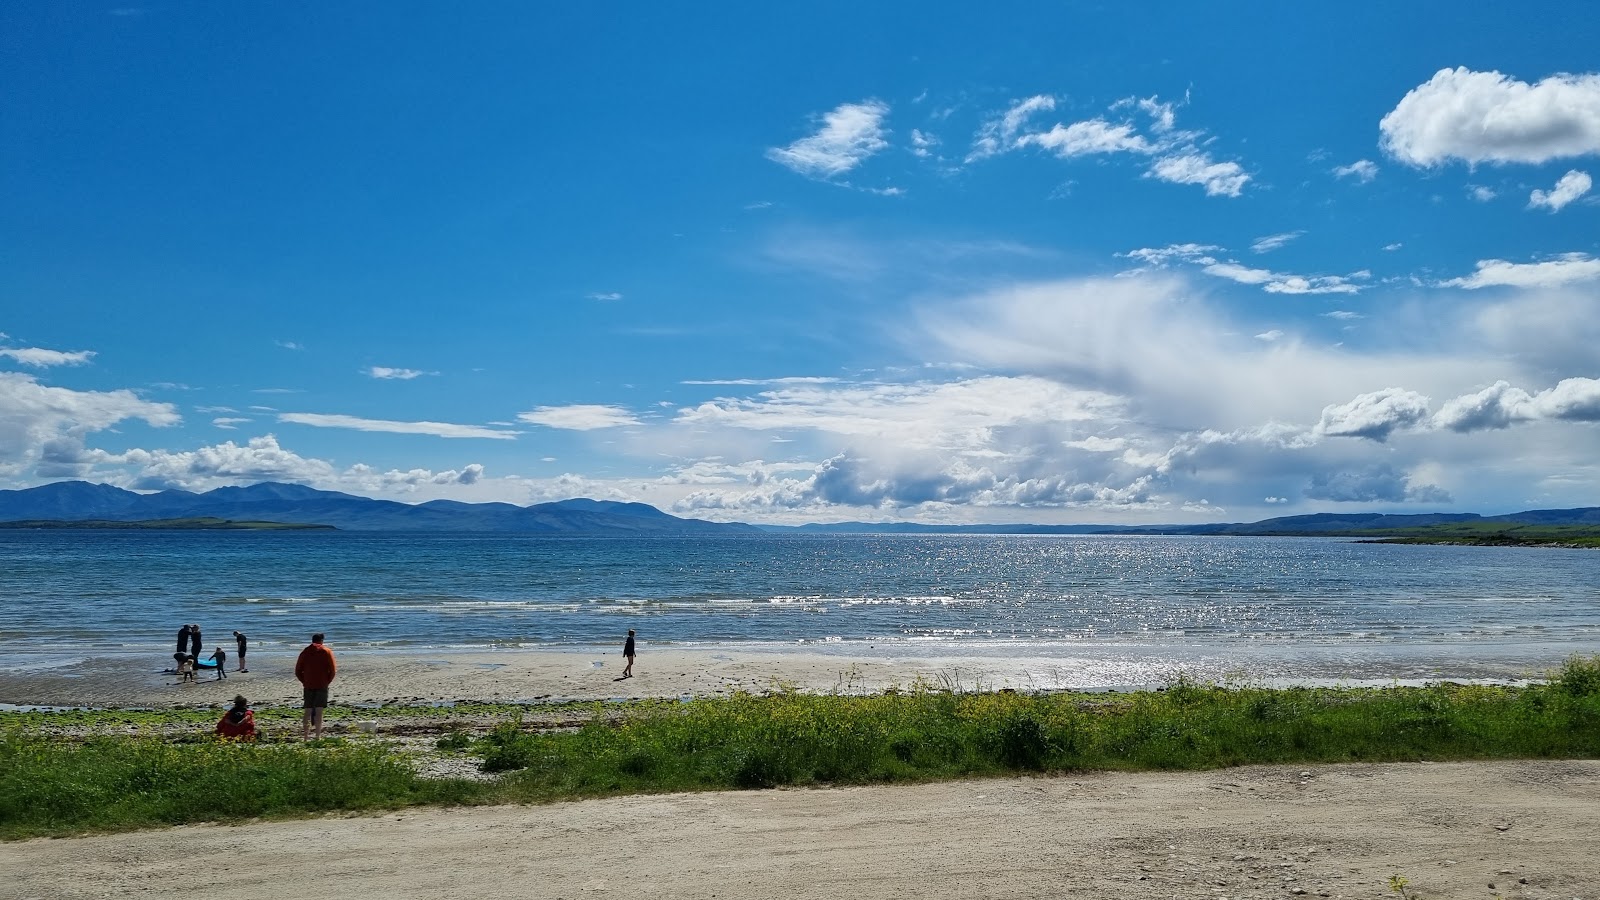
(1314, 524)
(292, 503)
(296, 504)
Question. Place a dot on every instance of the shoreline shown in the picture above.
(373, 678)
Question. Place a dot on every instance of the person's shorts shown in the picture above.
(316, 698)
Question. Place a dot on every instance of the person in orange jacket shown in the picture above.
(239, 722)
(315, 670)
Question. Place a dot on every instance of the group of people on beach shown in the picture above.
(187, 657)
(315, 669)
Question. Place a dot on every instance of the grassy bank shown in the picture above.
(51, 785)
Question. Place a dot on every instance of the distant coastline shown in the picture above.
(201, 523)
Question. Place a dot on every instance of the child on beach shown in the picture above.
(220, 657)
(238, 723)
(185, 668)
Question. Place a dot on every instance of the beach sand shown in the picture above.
(369, 678)
(1455, 830)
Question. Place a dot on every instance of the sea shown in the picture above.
(1128, 609)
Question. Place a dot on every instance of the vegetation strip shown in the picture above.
(55, 783)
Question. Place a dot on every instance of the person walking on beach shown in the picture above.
(240, 638)
(220, 657)
(315, 670)
(628, 653)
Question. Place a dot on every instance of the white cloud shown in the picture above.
(922, 143)
(609, 296)
(1374, 416)
(438, 429)
(1270, 336)
(1279, 283)
(1500, 405)
(1087, 138)
(1568, 268)
(1177, 155)
(261, 459)
(1572, 185)
(1478, 117)
(290, 345)
(791, 379)
(579, 417)
(1273, 241)
(1362, 170)
(1220, 179)
(41, 358)
(1342, 314)
(228, 422)
(1480, 193)
(850, 134)
(385, 372)
(1394, 246)
(45, 427)
(1161, 257)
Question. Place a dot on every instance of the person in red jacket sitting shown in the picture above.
(315, 668)
(238, 723)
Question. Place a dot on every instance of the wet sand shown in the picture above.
(369, 678)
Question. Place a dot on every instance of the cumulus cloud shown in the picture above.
(385, 372)
(438, 429)
(364, 477)
(1572, 185)
(1375, 415)
(1478, 117)
(1565, 269)
(1480, 193)
(260, 459)
(579, 417)
(41, 358)
(1500, 406)
(36, 418)
(1362, 170)
(849, 135)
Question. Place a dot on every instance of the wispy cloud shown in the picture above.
(1480, 193)
(1568, 268)
(1146, 129)
(579, 417)
(1201, 255)
(290, 345)
(849, 135)
(792, 379)
(229, 422)
(1273, 241)
(1362, 170)
(606, 296)
(39, 357)
(438, 429)
(387, 373)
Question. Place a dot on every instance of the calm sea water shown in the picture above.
(1266, 598)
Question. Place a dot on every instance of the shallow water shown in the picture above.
(1262, 604)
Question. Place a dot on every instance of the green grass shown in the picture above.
(1488, 533)
(52, 786)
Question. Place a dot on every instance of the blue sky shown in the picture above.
(1099, 263)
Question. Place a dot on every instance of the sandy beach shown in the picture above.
(368, 678)
(1456, 830)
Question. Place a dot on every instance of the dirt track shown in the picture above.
(1531, 829)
